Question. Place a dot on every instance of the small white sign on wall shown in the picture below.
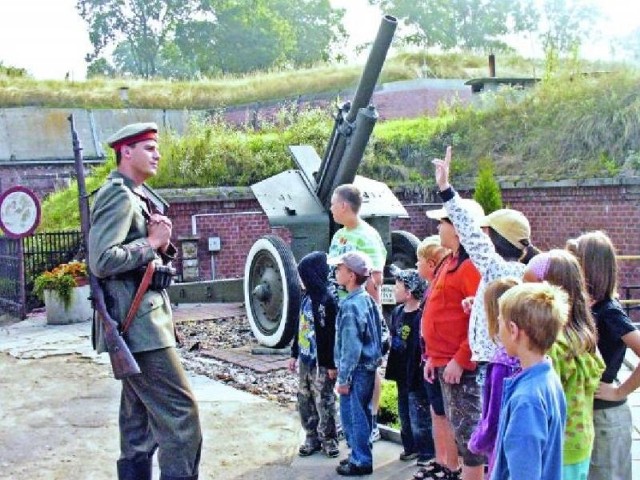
(214, 244)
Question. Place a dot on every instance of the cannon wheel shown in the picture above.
(271, 291)
(403, 249)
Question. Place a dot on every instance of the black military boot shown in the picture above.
(130, 470)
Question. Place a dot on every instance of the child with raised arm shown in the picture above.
(312, 353)
(533, 409)
(574, 356)
(499, 245)
(448, 356)
(611, 456)
(358, 353)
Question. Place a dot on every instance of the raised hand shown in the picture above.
(442, 170)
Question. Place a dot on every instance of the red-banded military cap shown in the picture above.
(133, 133)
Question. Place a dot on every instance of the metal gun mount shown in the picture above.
(300, 200)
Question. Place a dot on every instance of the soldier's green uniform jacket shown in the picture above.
(118, 249)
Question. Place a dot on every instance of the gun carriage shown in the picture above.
(299, 199)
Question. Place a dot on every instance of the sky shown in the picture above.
(49, 39)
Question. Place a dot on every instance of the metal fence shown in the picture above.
(22, 260)
(12, 288)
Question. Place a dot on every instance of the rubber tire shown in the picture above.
(271, 263)
(404, 246)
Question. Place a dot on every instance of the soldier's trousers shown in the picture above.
(316, 402)
(158, 411)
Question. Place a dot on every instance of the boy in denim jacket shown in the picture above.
(358, 353)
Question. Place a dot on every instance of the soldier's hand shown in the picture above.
(157, 218)
(159, 235)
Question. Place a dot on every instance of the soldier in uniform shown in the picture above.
(157, 408)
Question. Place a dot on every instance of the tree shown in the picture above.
(146, 26)
(194, 38)
(468, 24)
(566, 23)
(101, 67)
(317, 29)
(487, 189)
(270, 34)
(12, 72)
(241, 39)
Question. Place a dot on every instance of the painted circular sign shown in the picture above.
(19, 212)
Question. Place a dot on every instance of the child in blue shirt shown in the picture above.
(533, 410)
(312, 351)
(358, 353)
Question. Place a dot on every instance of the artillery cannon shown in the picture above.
(300, 199)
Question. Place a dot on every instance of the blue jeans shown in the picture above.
(355, 413)
(415, 422)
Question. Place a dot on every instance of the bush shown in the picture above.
(62, 279)
(487, 190)
(388, 410)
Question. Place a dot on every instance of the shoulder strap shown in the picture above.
(137, 299)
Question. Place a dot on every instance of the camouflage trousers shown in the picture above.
(316, 402)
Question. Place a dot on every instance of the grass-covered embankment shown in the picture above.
(566, 127)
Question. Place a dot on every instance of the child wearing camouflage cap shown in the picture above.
(404, 367)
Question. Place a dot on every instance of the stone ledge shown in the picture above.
(244, 358)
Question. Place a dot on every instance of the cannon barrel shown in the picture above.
(373, 67)
(341, 159)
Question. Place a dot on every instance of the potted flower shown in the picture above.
(65, 292)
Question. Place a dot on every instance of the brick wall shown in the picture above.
(41, 179)
(556, 211)
(557, 214)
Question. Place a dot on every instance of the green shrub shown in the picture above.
(487, 190)
(388, 410)
(62, 280)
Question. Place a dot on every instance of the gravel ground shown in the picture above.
(233, 332)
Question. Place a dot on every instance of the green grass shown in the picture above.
(221, 92)
(566, 127)
(197, 95)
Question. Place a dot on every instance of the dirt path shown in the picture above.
(58, 414)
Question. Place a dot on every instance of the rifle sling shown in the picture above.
(137, 299)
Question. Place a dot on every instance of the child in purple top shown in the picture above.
(501, 366)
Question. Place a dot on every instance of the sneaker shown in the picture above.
(352, 470)
(375, 434)
(405, 457)
(309, 447)
(330, 448)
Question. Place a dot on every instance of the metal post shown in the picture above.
(22, 280)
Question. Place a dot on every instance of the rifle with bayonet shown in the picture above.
(122, 361)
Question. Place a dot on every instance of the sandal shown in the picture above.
(421, 474)
(430, 470)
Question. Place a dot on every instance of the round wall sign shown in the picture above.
(19, 212)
